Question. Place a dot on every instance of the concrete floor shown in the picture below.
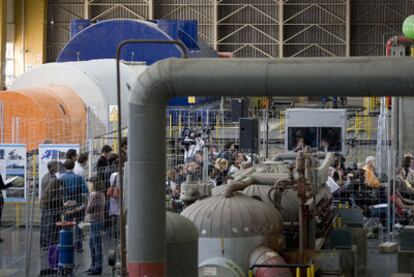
(13, 253)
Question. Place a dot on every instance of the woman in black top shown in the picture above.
(2, 187)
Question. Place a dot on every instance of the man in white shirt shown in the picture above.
(80, 165)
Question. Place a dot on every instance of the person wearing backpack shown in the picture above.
(113, 193)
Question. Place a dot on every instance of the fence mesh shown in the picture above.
(203, 143)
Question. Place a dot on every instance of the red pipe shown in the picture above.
(395, 40)
(136, 269)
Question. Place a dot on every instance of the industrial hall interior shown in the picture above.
(207, 138)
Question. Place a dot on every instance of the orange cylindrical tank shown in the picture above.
(34, 115)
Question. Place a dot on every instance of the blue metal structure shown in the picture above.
(99, 41)
(66, 249)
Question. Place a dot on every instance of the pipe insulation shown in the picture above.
(213, 77)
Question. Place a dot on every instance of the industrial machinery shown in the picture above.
(277, 208)
(74, 98)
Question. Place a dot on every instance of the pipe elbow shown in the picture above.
(154, 85)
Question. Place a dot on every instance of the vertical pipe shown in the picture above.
(401, 138)
(394, 143)
(348, 29)
(90, 139)
(301, 232)
(13, 129)
(215, 24)
(146, 252)
(86, 10)
(298, 272)
(150, 9)
(281, 28)
(171, 126)
(17, 130)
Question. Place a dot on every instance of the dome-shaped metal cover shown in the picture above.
(238, 216)
(180, 229)
(290, 202)
(219, 190)
(260, 191)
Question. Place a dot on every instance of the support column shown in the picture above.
(215, 25)
(3, 38)
(150, 9)
(348, 29)
(30, 44)
(281, 28)
(87, 10)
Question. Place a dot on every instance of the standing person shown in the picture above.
(114, 205)
(76, 191)
(80, 165)
(51, 204)
(72, 155)
(95, 210)
(102, 167)
(2, 187)
(124, 150)
(52, 167)
(104, 158)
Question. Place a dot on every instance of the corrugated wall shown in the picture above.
(255, 28)
(60, 13)
(204, 11)
(315, 28)
(374, 21)
(249, 28)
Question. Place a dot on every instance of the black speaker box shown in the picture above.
(249, 135)
(239, 108)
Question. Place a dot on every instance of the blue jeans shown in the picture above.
(95, 244)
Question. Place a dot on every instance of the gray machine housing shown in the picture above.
(316, 118)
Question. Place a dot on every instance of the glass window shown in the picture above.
(331, 139)
(325, 139)
(9, 70)
(299, 137)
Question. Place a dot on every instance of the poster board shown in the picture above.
(13, 170)
(49, 152)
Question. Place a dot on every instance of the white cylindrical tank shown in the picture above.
(220, 267)
(233, 227)
(93, 81)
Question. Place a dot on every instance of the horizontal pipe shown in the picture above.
(214, 77)
(280, 266)
(259, 178)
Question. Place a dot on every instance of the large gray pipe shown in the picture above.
(213, 77)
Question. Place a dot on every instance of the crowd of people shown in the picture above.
(362, 185)
(220, 164)
(67, 195)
